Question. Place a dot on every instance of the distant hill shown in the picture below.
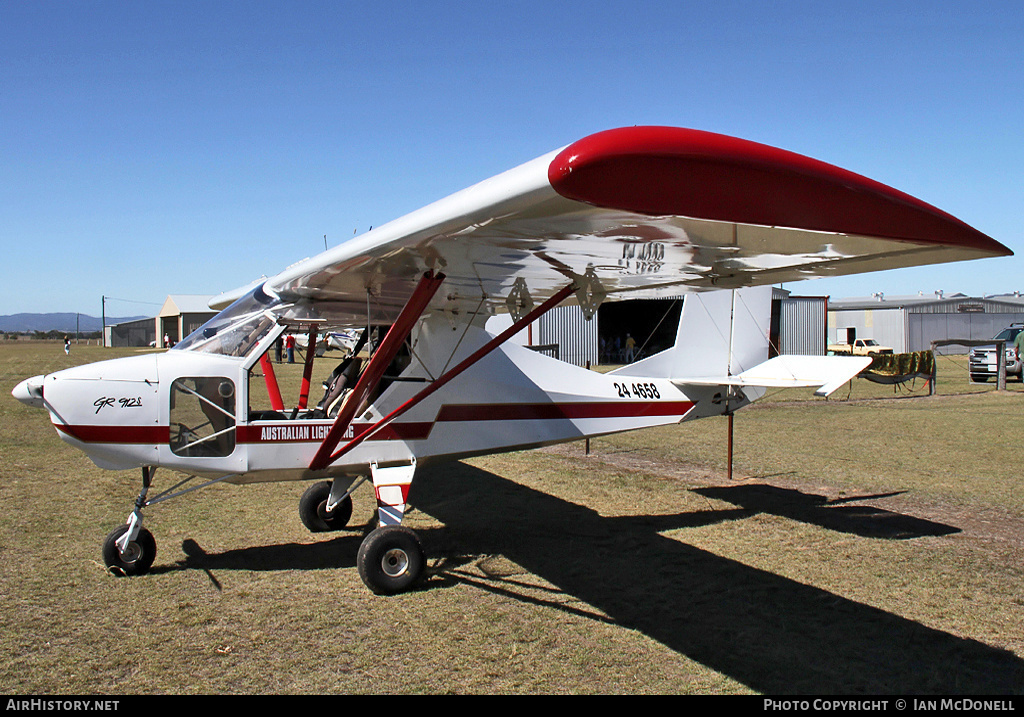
(58, 322)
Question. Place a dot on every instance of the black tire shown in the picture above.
(313, 509)
(391, 560)
(137, 560)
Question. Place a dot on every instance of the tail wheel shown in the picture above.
(138, 556)
(313, 509)
(391, 560)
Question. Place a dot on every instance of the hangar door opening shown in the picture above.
(650, 323)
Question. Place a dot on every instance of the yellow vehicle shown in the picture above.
(860, 347)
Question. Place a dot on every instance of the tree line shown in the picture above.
(52, 335)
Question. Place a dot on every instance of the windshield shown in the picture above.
(237, 329)
(1007, 335)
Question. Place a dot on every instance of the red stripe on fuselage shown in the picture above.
(302, 432)
(117, 434)
(561, 411)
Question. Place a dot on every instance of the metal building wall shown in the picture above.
(576, 337)
(803, 322)
(928, 327)
(132, 333)
(886, 326)
(911, 325)
(192, 321)
(806, 326)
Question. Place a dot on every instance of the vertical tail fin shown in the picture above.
(721, 333)
(723, 340)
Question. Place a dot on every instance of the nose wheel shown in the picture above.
(130, 549)
(124, 556)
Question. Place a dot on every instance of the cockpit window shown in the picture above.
(203, 416)
(236, 330)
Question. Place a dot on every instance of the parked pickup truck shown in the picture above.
(860, 347)
(983, 363)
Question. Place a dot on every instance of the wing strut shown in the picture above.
(378, 363)
(270, 378)
(307, 370)
(445, 378)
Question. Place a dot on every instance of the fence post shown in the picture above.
(1001, 357)
(935, 372)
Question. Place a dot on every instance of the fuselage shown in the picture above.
(196, 411)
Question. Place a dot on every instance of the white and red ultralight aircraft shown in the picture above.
(637, 212)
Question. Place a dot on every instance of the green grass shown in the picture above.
(958, 446)
(865, 546)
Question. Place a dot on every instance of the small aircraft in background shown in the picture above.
(342, 340)
(429, 302)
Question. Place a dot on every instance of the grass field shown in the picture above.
(867, 544)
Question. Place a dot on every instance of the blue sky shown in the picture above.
(190, 147)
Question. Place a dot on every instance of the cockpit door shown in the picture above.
(202, 402)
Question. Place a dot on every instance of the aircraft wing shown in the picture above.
(636, 212)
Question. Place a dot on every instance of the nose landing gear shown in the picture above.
(128, 556)
(130, 549)
(390, 559)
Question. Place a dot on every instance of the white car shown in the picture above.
(982, 362)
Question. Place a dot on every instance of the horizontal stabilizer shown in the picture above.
(828, 373)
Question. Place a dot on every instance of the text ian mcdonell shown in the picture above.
(863, 705)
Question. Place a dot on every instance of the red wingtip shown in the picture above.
(692, 173)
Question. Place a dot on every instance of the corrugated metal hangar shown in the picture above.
(911, 323)
(802, 325)
(798, 327)
(180, 315)
(141, 332)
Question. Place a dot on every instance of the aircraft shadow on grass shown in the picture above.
(771, 633)
(864, 520)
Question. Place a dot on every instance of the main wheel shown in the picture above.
(313, 509)
(137, 558)
(391, 560)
